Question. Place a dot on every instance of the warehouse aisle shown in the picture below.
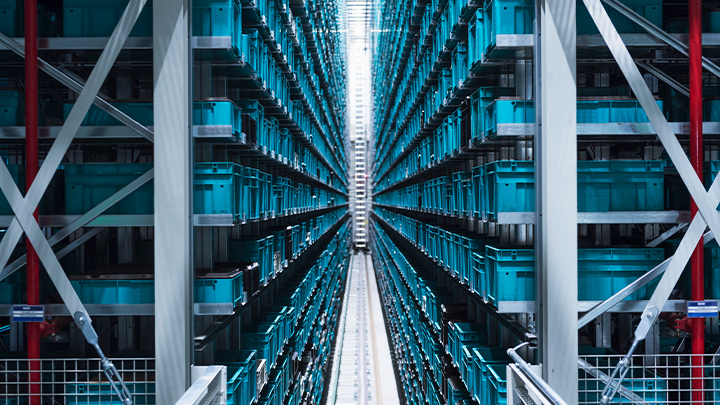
(365, 367)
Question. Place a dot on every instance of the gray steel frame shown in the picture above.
(706, 200)
(173, 158)
(23, 207)
(556, 189)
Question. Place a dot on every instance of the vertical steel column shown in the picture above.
(173, 198)
(31, 169)
(696, 158)
(556, 199)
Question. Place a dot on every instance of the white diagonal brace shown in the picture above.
(84, 219)
(655, 115)
(642, 281)
(72, 124)
(24, 215)
(77, 86)
(657, 32)
(675, 268)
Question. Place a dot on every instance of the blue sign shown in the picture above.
(28, 313)
(702, 309)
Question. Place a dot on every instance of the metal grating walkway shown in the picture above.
(363, 374)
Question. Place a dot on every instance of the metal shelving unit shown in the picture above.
(458, 86)
(157, 91)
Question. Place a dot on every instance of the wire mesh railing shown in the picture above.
(73, 381)
(651, 379)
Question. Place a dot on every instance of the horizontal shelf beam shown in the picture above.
(527, 307)
(618, 217)
(133, 220)
(126, 309)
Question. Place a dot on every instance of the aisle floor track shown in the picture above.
(366, 372)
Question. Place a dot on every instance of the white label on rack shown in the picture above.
(28, 313)
(702, 309)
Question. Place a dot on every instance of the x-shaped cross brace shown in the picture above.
(707, 201)
(23, 207)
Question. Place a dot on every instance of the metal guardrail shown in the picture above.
(526, 384)
(75, 381)
(650, 379)
(662, 379)
(209, 387)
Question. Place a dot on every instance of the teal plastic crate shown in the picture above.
(218, 113)
(611, 111)
(512, 111)
(507, 17)
(218, 189)
(218, 18)
(476, 37)
(242, 371)
(262, 339)
(220, 288)
(497, 376)
(18, 175)
(11, 18)
(115, 291)
(459, 65)
(619, 185)
(256, 249)
(88, 18)
(477, 280)
(140, 112)
(469, 331)
(631, 185)
(711, 110)
(712, 274)
(479, 100)
(133, 289)
(510, 273)
(461, 335)
(252, 193)
(87, 185)
(711, 22)
(12, 103)
(509, 187)
(506, 111)
(483, 358)
(456, 391)
(208, 113)
(12, 290)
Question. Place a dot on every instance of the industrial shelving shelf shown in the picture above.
(393, 291)
(250, 57)
(303, 313)
(282, 62)
(517, 307)
(417, 14)
(208, 335)
(518, 330)
(520, 47)
(339, 287)
(522, 218)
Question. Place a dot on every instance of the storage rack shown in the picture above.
(456, 148)
(252, 239)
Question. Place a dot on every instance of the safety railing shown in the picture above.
(74, 381)
(525, 384)
(651, 379)
(209, 387)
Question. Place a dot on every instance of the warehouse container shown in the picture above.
(602, 272)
